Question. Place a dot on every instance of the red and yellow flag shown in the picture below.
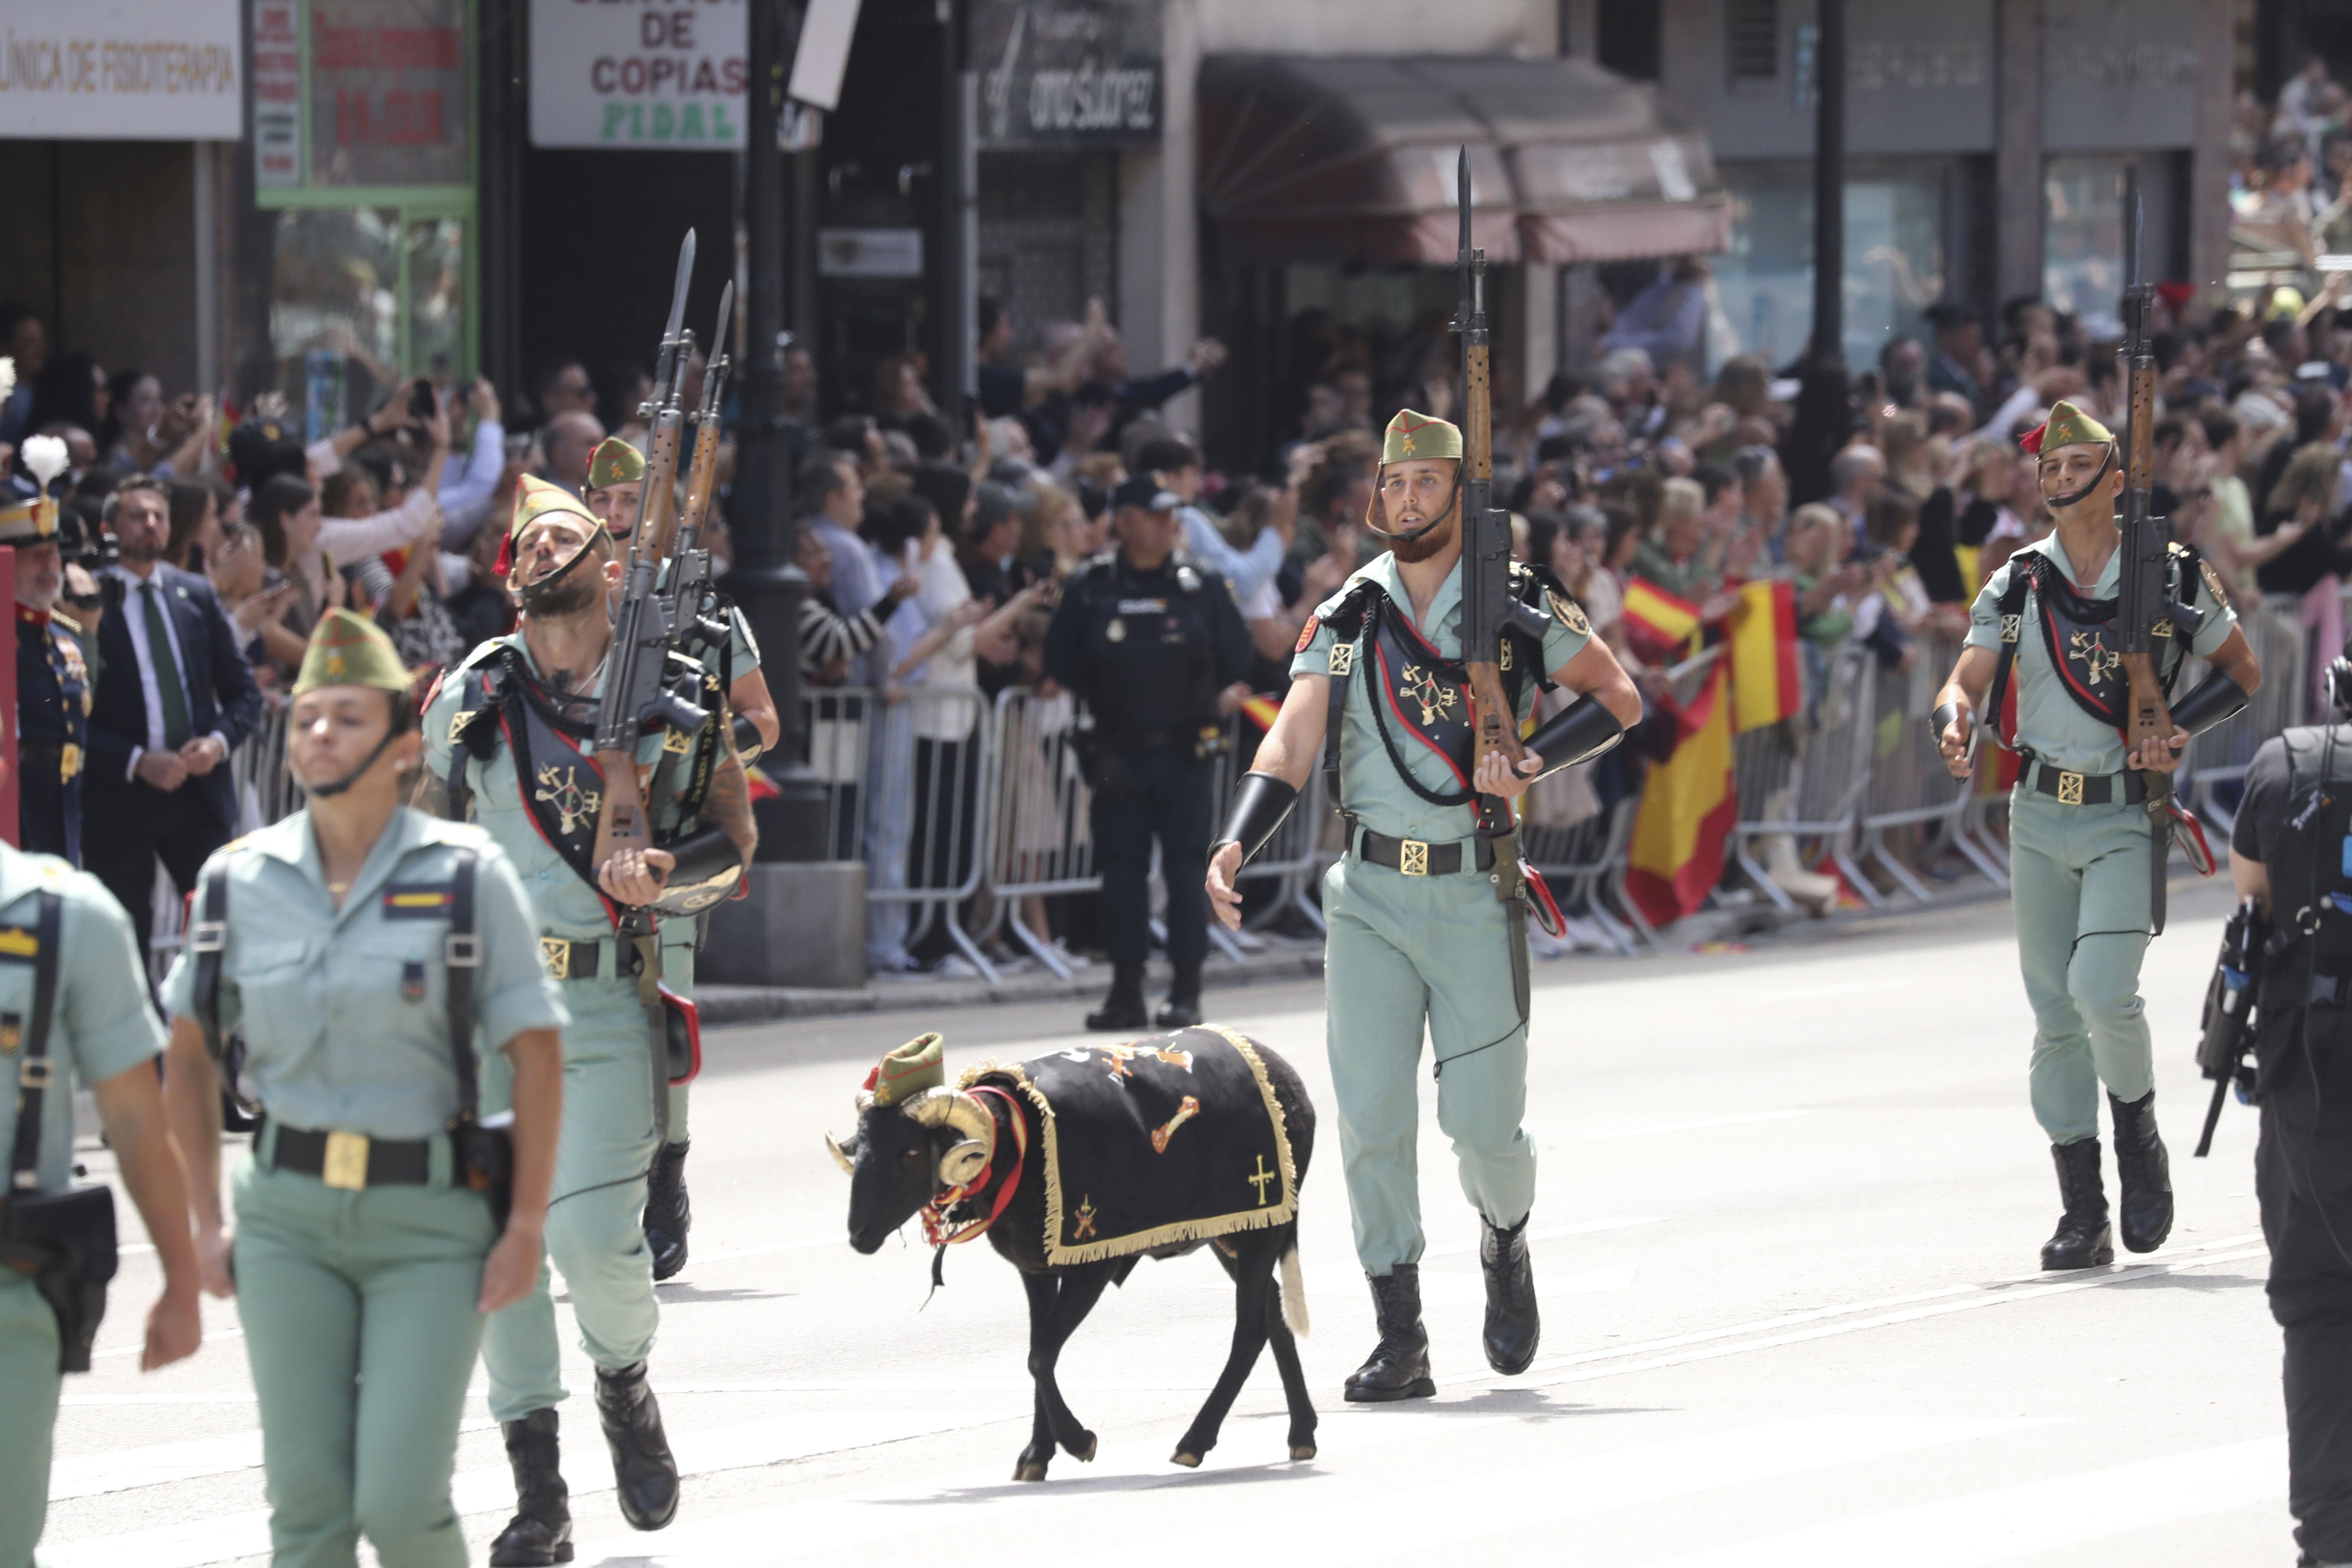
(1687, 810)
(1764, 687)
(1262, 710)
(1657, 622)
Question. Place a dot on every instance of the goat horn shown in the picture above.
(966, 1115)
(840, 1155)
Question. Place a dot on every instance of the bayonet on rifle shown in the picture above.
(2143, 623)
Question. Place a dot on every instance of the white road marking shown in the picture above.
(1460, 1289)
(1747, 1120)
(2037, 1519)
(160, 1464)
(1809, 993)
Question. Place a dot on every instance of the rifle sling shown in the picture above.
(35, 1071)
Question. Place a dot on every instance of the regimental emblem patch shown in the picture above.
(1567, 613)
(560, 787)
(1307, 633)
(1435, 699)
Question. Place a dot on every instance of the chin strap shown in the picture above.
(534, 595)
(1575, 734)
(2059, 503)
(1376, 509)
(2219, 698)
(1261, 802)
(327, 791)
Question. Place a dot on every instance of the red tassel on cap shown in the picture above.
(505, 562)
(2032, 441)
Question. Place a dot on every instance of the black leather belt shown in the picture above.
(2087, 789)
(350, 1161)
(1416, 857)
(578, 960)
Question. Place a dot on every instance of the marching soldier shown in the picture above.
(52, 687)
(1417, 932)
(2079, 840)
(66, 937)
(616, 481)
(2286, 857)
(507, 744)
(1157, 649)
(401, 1039)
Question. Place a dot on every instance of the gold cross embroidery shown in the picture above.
(1260, 1177)
(573, 805)
(1435, 701)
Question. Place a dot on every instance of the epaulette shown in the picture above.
(73, 628)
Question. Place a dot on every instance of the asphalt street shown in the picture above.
(1788, 1220)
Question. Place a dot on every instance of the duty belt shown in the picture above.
(2086, 789)
(53, 759)
(583, 960)
(1417, 858)
(351, 1162)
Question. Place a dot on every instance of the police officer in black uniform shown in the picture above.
(1156, 650)
(52, 686)
(2291, 856)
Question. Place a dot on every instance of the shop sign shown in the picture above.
(165, 70)
(1067, 73)
(276, 93)
(654, 74)
(388, 101)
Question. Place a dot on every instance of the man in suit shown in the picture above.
(1959, 338)
(174, 697)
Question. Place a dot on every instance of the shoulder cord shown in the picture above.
(36, 1072)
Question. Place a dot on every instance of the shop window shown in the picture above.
(1893, 268)
(2083, 239)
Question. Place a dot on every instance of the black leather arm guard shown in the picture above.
(1261, 802)
(1576, 733)
(2210, 704)
(709, 867)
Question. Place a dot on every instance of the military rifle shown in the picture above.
(2145, 618)
(638, 697)
(693, 599)
(1488, 606)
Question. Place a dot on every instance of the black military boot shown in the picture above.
(1123, 1008)
(1182, 1008)
(1398, 1367)
(643, 1469)
(667, 1215)
(1512, 1329)
(2146, 1172)
(2082, 1239)
(540, 1533)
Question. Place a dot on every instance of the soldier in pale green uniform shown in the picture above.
(2080, 837)
(399, 1037)
(101, 1031)
(1418, 935)
(615, 484)
(509, 745)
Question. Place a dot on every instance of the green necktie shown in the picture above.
(167, 672)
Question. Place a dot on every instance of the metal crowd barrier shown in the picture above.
(1911, 793)
(1802, 781)
(2218, 762)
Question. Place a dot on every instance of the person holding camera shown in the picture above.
(1156, 648)
(373, 974)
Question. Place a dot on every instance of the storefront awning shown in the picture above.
(1350, 159)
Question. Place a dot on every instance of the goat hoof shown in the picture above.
(1086, 1455)
(1029, 1470)
(1190, 1461)
(1302, 1450)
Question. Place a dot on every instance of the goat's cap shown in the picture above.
(918, 1065)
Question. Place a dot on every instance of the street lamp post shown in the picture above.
(766, 580)
(1822, 413)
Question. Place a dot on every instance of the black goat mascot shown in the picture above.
(1077, 1164)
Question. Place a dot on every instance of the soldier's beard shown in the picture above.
(567, 590)
(1433, 543)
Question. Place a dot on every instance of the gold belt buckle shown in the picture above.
(346, 1166)
(1414, 861)
(555, 954)
(2070, 788)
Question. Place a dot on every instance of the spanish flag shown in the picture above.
(1764, 689)
(1687, 810)
(1657, 622)
(1262, 710)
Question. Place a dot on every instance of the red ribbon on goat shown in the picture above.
(936, 1231)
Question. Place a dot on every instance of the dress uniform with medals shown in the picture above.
(374, 1021)
(62, 933)
(519, 759)
(1147, 649)
(2080, 852)
(1417, 937)
(52, 689)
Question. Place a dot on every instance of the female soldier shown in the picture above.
(363, 948)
